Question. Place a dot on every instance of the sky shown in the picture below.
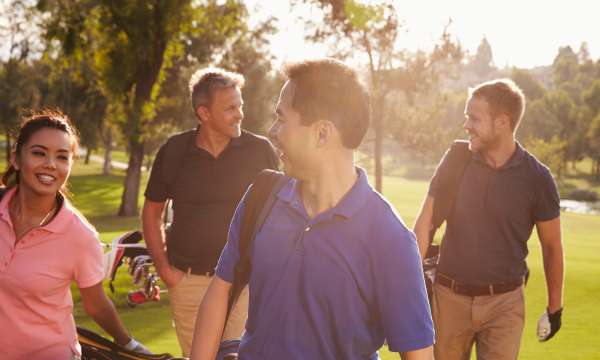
(522, 33)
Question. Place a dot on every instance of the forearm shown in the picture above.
(105, 315)
(154, 235)
(421, 231)
(554, 272)
(210, 321)
(423, 225)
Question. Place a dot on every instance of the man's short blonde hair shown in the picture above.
(204, 82)
(503, 97)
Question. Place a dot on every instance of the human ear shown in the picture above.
(503, 120)
(202, 113)
(13, 160)
(324, 131)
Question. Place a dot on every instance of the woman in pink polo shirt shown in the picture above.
(45, 244)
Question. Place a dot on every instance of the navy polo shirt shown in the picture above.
(495, 211)
(332, 287)
(205, 194)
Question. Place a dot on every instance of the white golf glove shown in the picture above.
(136, 346)
(548, 325)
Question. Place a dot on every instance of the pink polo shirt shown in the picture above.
(36, 320)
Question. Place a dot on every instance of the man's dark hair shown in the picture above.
(329, 89)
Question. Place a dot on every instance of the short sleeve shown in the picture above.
(403, 306)
(440, 173)
(157, 189)
(547, 205)
(89, 269)
(231, 252)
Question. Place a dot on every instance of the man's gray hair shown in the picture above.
(204, 82)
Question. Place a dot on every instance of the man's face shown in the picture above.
(292, 139)
(480, 125)
(224, 115)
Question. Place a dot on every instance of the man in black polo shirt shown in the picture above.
(205, 172)
(504, 193)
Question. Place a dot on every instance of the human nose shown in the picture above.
(50, 162)
(467, 124)
(272, 132)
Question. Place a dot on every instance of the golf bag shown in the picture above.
(141, 267)
(97, 347)
(453, 167)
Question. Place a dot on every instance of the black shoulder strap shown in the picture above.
(2, 191)
(455, 163)
(174, 150)
(259, 201)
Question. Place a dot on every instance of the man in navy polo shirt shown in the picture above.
(504, 193)
(335, 272)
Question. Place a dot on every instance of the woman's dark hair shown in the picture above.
(52, 119)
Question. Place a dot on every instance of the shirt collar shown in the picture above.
(346, 207)
(235, 142)
(56, 225)
(515, 159)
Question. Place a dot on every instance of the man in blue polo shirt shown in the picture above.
(504, 193)
(335, 272)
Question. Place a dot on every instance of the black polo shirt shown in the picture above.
(495, 211)
(205, 193)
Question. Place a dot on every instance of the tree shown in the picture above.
(483, 61)
(591, 98)
(249, 56)
(531, 87)
(17, 72)
(371, 31)
(593, 136)
(134, 43)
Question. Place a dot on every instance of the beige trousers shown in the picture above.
(493, 323)
(185, 298)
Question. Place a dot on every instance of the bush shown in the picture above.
(583, 195)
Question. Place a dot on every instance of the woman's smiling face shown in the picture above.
(45, 160)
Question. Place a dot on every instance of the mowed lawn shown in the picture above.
(98, 198)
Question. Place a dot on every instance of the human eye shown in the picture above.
(38, 153)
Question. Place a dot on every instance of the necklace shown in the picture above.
(16, 215)
(48, 216)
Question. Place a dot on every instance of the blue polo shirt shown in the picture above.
(332, 287)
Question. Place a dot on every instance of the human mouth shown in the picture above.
(46, 179)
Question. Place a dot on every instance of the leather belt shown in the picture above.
(194, 269)
(476, 290)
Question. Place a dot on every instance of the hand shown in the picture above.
(138, 347)
(549, 324)
(170, 275)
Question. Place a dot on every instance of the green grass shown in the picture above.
(120, 156)
(98, 198)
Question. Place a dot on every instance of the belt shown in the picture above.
(193, 269)
(476, 290)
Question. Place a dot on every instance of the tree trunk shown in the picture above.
(88, 153)
(129, 200)
(107, 153)
(598, 170)
(8, 146)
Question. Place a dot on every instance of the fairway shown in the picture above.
(98, 198)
